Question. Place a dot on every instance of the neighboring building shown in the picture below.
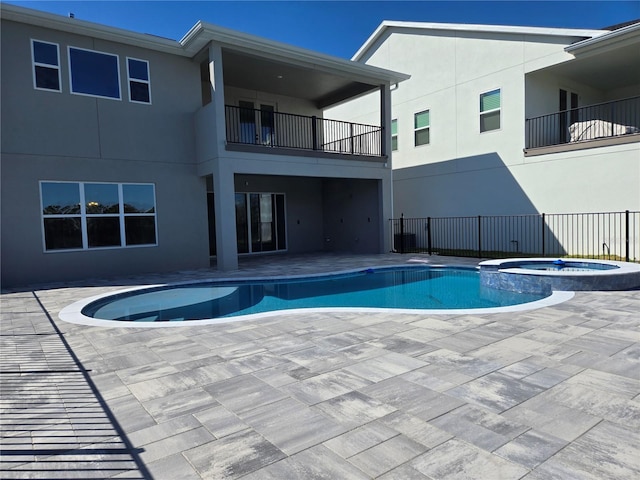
(128, 153)
(502, 120)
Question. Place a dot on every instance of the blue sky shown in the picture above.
(334, 27)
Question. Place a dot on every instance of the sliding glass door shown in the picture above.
(260, 222)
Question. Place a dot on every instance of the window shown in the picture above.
(80, 216)
(421, 128)
(394, 135)
(94, 73)
(490, 111)
(139, 83)
(46, 65)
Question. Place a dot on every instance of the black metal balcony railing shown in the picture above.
(274, 129)
(604, 120)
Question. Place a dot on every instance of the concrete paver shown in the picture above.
(539, 394)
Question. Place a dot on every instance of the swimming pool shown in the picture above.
(414, 289)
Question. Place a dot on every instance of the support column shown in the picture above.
(385, 121)
(217, 95)
(225, 208)
(385, 191)
(386, 184)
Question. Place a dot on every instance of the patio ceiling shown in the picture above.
(604, 70)
(319, 86)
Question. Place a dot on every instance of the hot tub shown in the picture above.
(544, 275)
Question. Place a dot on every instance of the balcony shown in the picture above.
(275, 130)
(593, 125)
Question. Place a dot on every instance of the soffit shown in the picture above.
(605, 71)
(608, 62)
(319, 87)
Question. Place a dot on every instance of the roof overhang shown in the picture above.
(625, 36)
(259, 64)
(96, 30)
(606, 62)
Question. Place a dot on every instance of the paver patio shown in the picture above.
(552, 393)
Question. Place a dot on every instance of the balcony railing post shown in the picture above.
(314, 132)
(351, 137)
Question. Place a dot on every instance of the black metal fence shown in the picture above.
(603, 120)
(610, 235)
(285, 130)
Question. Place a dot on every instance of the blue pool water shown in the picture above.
(398, 287)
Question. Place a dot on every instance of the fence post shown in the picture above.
(402, 233)
(543, 234)
(429, 235)
(626, 234)
(479, 236)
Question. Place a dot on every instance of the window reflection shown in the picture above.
(138, 198)
(101, 198)
(100, 221)
(94, 73)
(60, 198)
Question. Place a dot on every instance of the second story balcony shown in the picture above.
(269, 129)
(578, 127)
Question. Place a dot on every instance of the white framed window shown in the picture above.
(90, 215)
(138, 80)
(92, 73)
(45, 57)
(490, 111)
(394, 135)
(422, 127)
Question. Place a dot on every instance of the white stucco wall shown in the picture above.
(465, 172)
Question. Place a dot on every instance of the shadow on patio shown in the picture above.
(55, 423)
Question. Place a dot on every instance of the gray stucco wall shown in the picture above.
(324, 213)
(303, 197)
(66, 137)
(352, 215)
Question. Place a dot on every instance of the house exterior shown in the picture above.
(129, 153)
(505, 120)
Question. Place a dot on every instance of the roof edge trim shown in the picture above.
(84, 27)
(202, 33)
(465, 27)
(609, 36)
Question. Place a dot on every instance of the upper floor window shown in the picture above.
(394, 135)
(46, 65)
(94, 73)
(80, 216)
(139, 80)
(421, 125)
(490, 111)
